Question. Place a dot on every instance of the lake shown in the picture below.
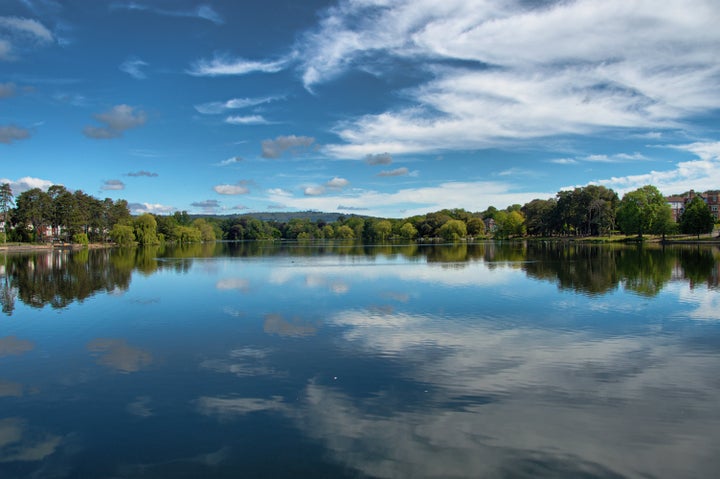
(331, 360)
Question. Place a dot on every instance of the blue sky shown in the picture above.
(386, 108)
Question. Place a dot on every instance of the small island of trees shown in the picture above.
(59, 215)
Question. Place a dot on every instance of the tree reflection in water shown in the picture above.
(58, 278)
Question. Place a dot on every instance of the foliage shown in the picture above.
(697, 218)
(509, 224)
(408, 231)
(122, 235)
(585, 211)
(6, 202)
(641, 211)
(453, 230)
(80, 238)
(145, 228)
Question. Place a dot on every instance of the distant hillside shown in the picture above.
(284, 217)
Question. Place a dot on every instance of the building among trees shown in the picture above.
(678, 203)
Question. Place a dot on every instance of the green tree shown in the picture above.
(453, 230)
(640, 211)
(34, 211)
(207, 233)
(344, 232)
(187, 234)
(6, 202)
(328, 232)
(475, 227)
(146, 229)
(382, 229)
(539, 217)
(509, 224)
(408, 231)
(697, 218)
(122, 235)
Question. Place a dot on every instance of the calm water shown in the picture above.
(310, 361)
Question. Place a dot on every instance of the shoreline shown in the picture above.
(27, 248)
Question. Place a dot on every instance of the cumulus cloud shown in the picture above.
(143, 173)
(203, 12)
(26, 183)
(155, 208)
(20, 34)
(222, 65)
(240, 188)
(113, 185)
(314, 190)
(275, 148)
(133, 67)
(117, 120)
(279, 192)
(381, 159)
(337, 183)
(564, 69)
(11, 133)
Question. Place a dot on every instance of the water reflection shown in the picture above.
(345, 360)
(118, 355)
(59, 278)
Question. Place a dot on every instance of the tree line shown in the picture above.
(58, 214)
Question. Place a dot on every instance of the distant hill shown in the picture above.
(284, 217)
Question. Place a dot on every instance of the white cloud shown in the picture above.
(247, 120)
(133, 67)
(314, 190)
(203, 12)
(117, 120)
(26, 26)
(27, 183)
(236, 189)
(472, 196)
(566, 68)
(155, 208)
(564, 161)
(20, 34)
(701, 174)
(222, 65)
(337, 183)
(217, 107)
(230, 161)
(279, 192)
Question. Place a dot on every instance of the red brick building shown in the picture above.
(711, 198)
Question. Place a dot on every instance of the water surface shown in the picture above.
(341, 360)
